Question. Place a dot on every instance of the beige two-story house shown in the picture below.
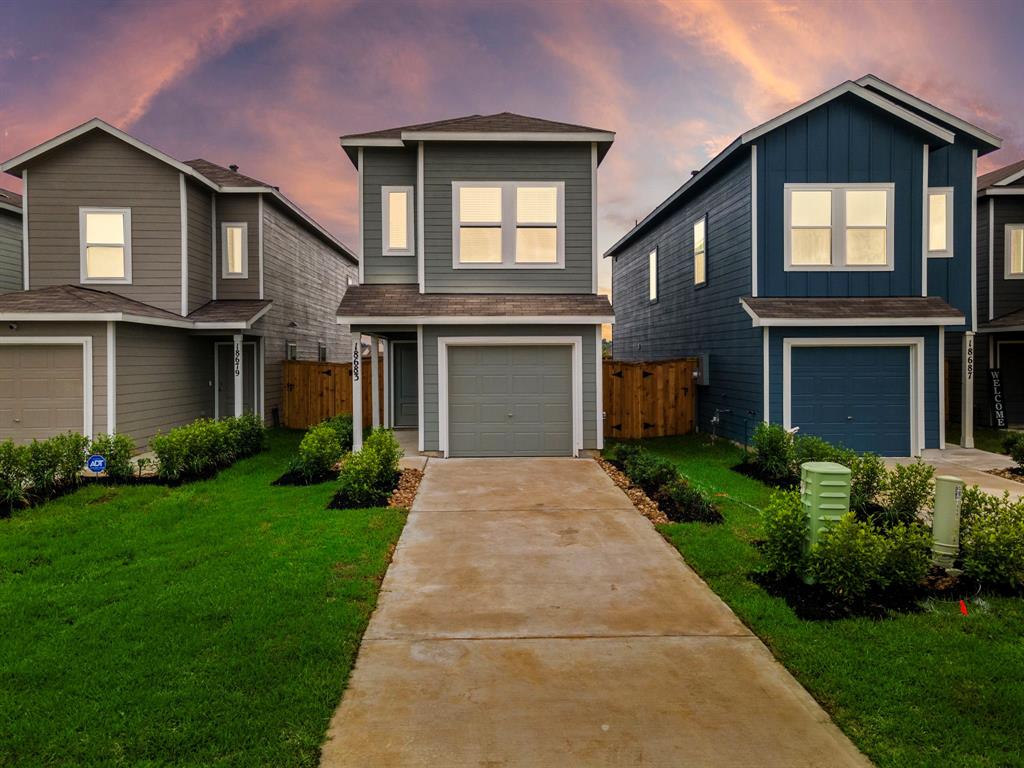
(157, 291)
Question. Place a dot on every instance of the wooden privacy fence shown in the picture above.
(314, 391)
(649, 399)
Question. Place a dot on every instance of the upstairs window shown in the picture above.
(507, 225)
(397, 225)
(652, 275)
(105, 236)
(700, 262)
(291, 350)
(1014, 251)
(940, 222)
(321, 352)
(839, 227)
(234, 239)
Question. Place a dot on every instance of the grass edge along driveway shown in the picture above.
(928, 689)
(211, 624)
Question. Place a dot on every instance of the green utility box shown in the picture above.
(825, 493)
(949, 493)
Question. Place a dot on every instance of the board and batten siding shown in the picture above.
(1008, 295)
(306, 280)
(100, 170)
(445, 162)
(431, 333)
(164, 379)
(98, 333)
(687, 320)
(842, 141)
(200, 286)
(11, 256)
(386, 167)
(950, 279)
(240, 208)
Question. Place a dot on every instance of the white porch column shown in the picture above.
(967, 393)
(239, 373)
(357, 394)
(386, 373)
(375, 381)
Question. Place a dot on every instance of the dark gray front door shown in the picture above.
(510, 401)
(406, 392)
(226, 378)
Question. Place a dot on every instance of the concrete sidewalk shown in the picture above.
(970, 465)
(532, 617)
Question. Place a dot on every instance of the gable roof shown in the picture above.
(1002, 177)
(938, 134)
(10, 201)
(211, 175)
(502, 126)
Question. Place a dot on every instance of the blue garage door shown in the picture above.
(853, 396)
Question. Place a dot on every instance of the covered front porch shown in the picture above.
(392, 354)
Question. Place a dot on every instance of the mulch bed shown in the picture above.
(643, 503)
(749, 469)
(405, 492)
(1010, 474)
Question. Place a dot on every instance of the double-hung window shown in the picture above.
(397, 226)
(105, 239)
(700, 252)
(1013, 257)
(234, 248)
(508, 224)
(839, 227)
(940, 222)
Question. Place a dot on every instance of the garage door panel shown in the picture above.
(527, 384)
(41, 391)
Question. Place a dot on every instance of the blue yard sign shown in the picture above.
(96, 463)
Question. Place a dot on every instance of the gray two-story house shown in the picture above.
(479, 274)
(11, 256)
(822, 263)
(157, 291)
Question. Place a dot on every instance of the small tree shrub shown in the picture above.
(650, 472)
(619, 453)
(992, 540)
(194, 450)
(683, 502)
(785, 529)
(773, 453)
(55, 464)
(908, 490)
(1013, 444)
(13, 477)
(118, 451)
(247, 434)
(342, 426)
(867, 479)
(319, 451)
(369, 476)
(849, 560)
(812, 448)
(907, 556)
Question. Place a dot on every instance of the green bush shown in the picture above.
(773, 453)
(619, 453)
(849, 560)
(650, 472)
(319, 451)
(54, 464)
(683, 502)
(13, 477)
(342, 426)
(907, 556)
(247, 434)
(194, 450)
(813, 448)
(785, 529)
(992, 540)
(1013, 444)
(369, 476)
(867, 479)
(118, 451)
(908, 489)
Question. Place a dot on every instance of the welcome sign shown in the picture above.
(998, 406)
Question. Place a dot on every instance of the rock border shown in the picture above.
(641, 501)
(405, 492)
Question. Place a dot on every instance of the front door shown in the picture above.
(225, 367)
(406, 385)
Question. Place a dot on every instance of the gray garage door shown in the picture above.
(510, 401)
(40, 391)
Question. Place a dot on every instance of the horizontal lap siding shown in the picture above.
(951, 278)
(566, 162)
(1009, 294)
(306, 280)
(200, 287)
(392, 167)
(99, 170)
(686, 320)
(164, 379)
(430, 371)
(237, 208)
(11, 256)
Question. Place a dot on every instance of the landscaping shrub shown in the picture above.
(773, 453)
(650, 472)
(13, 477)
(118, 451)
(619, 453)
(992, 540)
(342, 426)
(247, 434)
(683, 502)
(867, 479)
(194, 450)
(785, 529)
(319, 451)
(907, 556)
(369, 476)
(55, 464)
(812, 448)
(849, 560)
(907, 490)
(1013, 444)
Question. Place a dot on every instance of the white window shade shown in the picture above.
(105, 228)
(480, 245)
(105, 245)
(536, 245)
(480, 205)
(234, 244)
(652, 275)
(537, 205)
(104, 261)
(398, 229)
(507, 224)
(700, 274)
(839, 226)
(1014, 251)
(233, 250)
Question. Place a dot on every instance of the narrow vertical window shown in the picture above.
(235, 249)
(291, 350)
(321, 352)
(397, 224)
(940, 222)
(652, 275)
(700, 264)
(1014, 251)
(105, 242)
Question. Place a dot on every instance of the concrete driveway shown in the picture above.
(532, 617)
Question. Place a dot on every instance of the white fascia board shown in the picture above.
(371, 142)
(89, 317)
(1001, 191)
(587, 136)
(816, 322)
(1010, 179)
(479, 320)
(11, 208)
(231, 324)
(924, 106)
(1001, 329)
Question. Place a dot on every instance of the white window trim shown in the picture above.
(915, 345)
(700, 283)
(575, 342)
(947, 252)
(126, 214)
(509, 224)
(1007, 252)
(385, 207)
(87, 378)
(652, 276)
(224, 273)
(838, 227)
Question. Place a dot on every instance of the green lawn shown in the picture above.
(210, 624)
(929, 689)
(985, 438)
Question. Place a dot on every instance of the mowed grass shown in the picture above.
(929, 689)
(985, 438)
(213, 624)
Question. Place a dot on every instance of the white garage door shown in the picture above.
(41, 391)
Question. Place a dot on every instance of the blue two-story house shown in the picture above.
(821, 263)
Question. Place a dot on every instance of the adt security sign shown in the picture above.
(96, 463)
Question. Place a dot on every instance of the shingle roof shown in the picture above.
(224, 176)
(992, 178)
(1013, 320)
(405, 301)
(74, 299)
(10, 198)
(229, 310)
(502, 122)
(855, 308)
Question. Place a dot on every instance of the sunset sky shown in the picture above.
(271, 85)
